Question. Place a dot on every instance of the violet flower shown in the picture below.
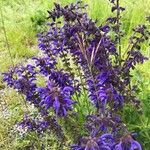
(128, 143)
(57, 98)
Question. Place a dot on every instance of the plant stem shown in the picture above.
(5, 35)
(118, 31)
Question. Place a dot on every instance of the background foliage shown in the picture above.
(22, 20)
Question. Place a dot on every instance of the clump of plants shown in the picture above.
(38, 21)
(82, 58)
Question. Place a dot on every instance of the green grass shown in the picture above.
(23, 19)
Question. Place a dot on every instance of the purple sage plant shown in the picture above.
(92, 61)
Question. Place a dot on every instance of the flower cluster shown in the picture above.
(23, 80)
(59, 99)
(92, 61)
(40, 124)
(33, 124)
(107, 142)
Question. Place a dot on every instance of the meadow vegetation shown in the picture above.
(20, 21)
